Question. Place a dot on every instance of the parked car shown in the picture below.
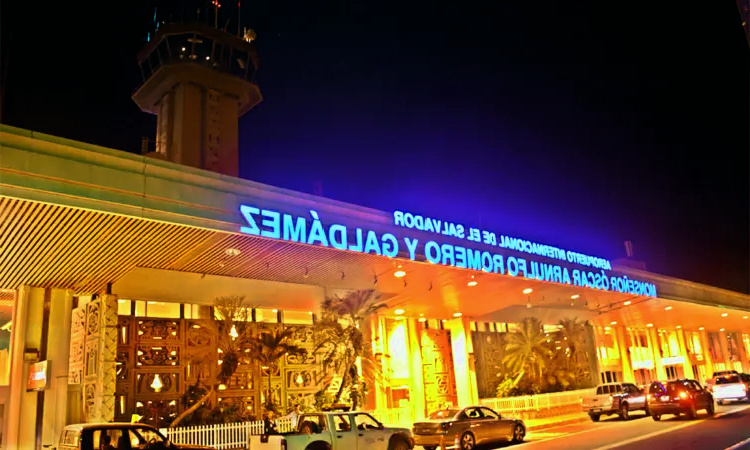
(465, 428)
(615, 399)
(134, 436)
(679, 397)
(731, 387)
(336, 431)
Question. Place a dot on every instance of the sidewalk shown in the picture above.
(556, 421)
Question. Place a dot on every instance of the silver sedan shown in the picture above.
(466, 428)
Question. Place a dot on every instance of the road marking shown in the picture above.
(668, 430)
(739, 445)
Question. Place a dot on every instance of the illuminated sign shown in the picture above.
(38, 376)
(673, 360)
(313, 230)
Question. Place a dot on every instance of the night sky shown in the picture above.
(577, 124)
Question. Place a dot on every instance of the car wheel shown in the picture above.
(428, 447)
(595, 417)
(691, 413)
(656, 417)
(519, 432)
(624, 412)
(711, 410)
(467, 441)
(398, 444)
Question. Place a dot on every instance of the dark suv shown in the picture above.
(679, 397)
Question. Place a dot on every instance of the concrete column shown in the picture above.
(709, 363)
(627, 368)
(417, 377)
(743, 353)
(58, 350)
(653, 343)
(725, 350)
(687, 366)
(462, 364)
(17, 368)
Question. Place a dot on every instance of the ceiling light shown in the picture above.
(607, 328)
(232, 252)
(701, 328)
(400, 273)
(650, 325)
(574, 296)
(422, 319)
(274, 311)
(667, 308)
(399, 312)
(627, 303)
(421, 315)
(724, 314)
(457, 314)
(528, 291)
(183, 49)
(614, 322)
(721, 329)
(472, 282)
(444, 320)
(744, 317)
(679, 327)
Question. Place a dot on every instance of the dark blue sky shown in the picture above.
(576, 124)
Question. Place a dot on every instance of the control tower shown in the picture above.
(198, 80)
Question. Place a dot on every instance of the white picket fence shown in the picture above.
(223, 436)
(514, 405)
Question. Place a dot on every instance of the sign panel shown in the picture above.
(457, 246)
(38, 376)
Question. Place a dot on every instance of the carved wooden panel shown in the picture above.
(77, 346)
(168, 383)
(489, 350)
(158, 329)
(437, 369)
(296, 379)
(157, 356)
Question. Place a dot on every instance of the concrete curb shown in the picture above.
(570, 421)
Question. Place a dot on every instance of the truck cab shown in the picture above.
(615, 399)
(336, 431)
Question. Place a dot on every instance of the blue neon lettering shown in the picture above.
(340, 242)
(460, 257)
(497, 262)
(512, 266)
(357, 247)
(247, 213)
(398, 218)
(371, 244)
(272, 219)
(411, 245)
(447, 251)
(431, 252)
(473, 259)
(390, 245)
(295, 231)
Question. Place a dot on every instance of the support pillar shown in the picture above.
(653, 343)
(417, 377)
(18, 369)
(709, 363)
(462, 365)
(627, 368)
(687, 366)
(725, 350)
(58, 351)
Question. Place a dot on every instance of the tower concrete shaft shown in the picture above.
(198, 80)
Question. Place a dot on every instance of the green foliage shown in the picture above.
(341, 342)
(538, 363)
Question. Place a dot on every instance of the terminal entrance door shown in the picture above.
(674, 372)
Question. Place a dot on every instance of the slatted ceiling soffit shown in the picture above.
(54, 246)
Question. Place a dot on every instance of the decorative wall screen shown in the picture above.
(437, 367)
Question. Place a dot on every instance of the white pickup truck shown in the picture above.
(336, 431)
(615, 399)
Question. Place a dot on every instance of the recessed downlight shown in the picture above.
(724, 314)
(457, 314)
(650, 325)
(399, 312)
(574, 296)
(668, 308)
(232, 252)
(528, 291)
(628, 303)
(614, 322)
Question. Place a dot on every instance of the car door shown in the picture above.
(480, 426)
(370, 433)
(344, 437)
(499, 428)
(702, 395)
(636, 398)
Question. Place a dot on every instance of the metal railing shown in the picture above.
(514, 405)
(222, 436)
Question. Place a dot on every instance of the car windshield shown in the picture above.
(443, 414)
(727, 379)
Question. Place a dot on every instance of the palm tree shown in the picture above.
(340, 340)
(269, 348)
(233, 330)
(526, 350)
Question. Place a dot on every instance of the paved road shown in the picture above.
(730, 427)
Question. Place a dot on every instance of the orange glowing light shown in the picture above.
(457, 314)
(574, 296)
(528, 291)
(398, 312)
(628, 303)
(668, 308)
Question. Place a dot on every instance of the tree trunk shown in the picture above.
(337, 399)
(269, 398)
(192, 409)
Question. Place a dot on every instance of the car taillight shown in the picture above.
(649, 397)
(683, 395)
